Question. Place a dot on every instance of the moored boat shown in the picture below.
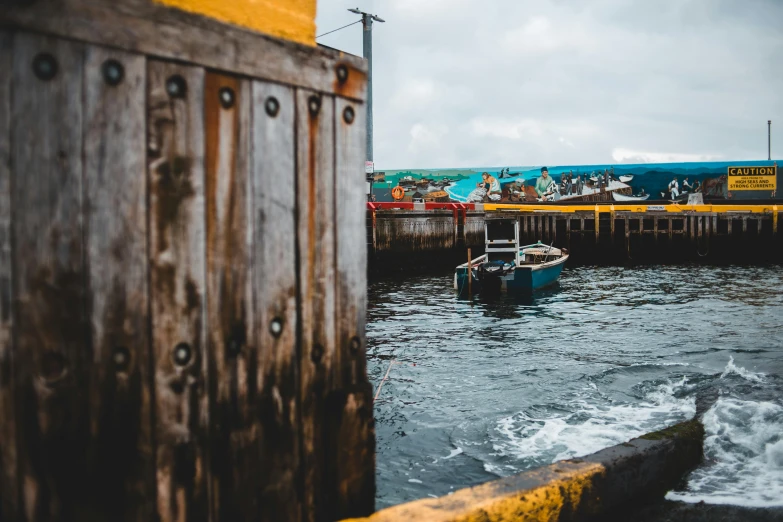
(626, 178)
(508, 267)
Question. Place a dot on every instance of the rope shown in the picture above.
(385, 378)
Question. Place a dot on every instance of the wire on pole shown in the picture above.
(343, 27)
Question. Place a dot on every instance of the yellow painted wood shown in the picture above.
(289, 19)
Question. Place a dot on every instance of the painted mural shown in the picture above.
(579, 183)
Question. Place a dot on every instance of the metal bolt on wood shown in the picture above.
(182, 354)
(272, 106)
(45, 66)
(342, 73)
(356, 344)
(314, 105)
(121, 358)
(276, 327)
(226, 96)
(113, 72)
(348, 115)
(176, 86)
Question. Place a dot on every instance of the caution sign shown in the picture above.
(753, 178)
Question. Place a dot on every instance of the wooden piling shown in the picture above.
(182, 271)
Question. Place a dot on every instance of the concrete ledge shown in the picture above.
(598, 486)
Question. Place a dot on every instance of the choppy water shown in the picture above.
(492, 387)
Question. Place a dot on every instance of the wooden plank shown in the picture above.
(729, 223)
(232, 353)
(744, 225)
(52, 356)
(316, 243)
(352, 436)
(274, 282)
(9, 491)
(714, 219)
(175, 166)
(524, 227)
(149, 28)
(117, 264)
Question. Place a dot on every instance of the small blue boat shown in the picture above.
(508, 267)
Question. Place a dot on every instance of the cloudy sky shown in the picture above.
(462, 83)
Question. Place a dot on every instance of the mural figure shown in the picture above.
(491, 186)
(544, 184)
(674, 189)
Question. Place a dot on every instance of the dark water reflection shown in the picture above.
(491, 386)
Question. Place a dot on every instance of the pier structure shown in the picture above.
(419, 235)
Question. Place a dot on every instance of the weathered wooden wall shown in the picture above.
(182, 295)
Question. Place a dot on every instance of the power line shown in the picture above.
(343, 27)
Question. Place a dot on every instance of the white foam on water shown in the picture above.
(743, 450)
(732, 368)
(415, 481)
(591, 427)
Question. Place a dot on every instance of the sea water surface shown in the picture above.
(484, 388)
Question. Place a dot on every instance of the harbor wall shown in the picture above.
(438, 238)
(607, 485)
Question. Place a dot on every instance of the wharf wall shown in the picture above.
(437, 238)
(607, 485)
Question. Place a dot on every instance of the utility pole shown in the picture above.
(769, 140)
(367, 20)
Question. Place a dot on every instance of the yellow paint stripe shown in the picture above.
(550, 490)
(288, 19)
(571, 209)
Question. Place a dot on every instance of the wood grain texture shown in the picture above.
(275, 289)
(177, 274)
(122, 462)
(352, 440)
(52, 352)
(9, 491)
(232, 353)
(315, 183)
(149, 28)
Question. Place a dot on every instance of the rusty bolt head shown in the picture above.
(226, 95)
(314, 105)
(272, 106)
(342, 73)
(355, 345)
(348, 115)
(45, 66)
(113, 72)
(176, 86)
(316, 353)
(121, 357)
(182, 354)
(276, 327)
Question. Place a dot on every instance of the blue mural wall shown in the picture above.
(653, 178)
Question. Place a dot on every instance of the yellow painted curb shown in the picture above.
(550, 490)
(288, 19)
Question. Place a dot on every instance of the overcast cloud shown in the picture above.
(462, 83)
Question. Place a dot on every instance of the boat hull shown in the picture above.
(523, 279)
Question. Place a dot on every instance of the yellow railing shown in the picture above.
(670, 208)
